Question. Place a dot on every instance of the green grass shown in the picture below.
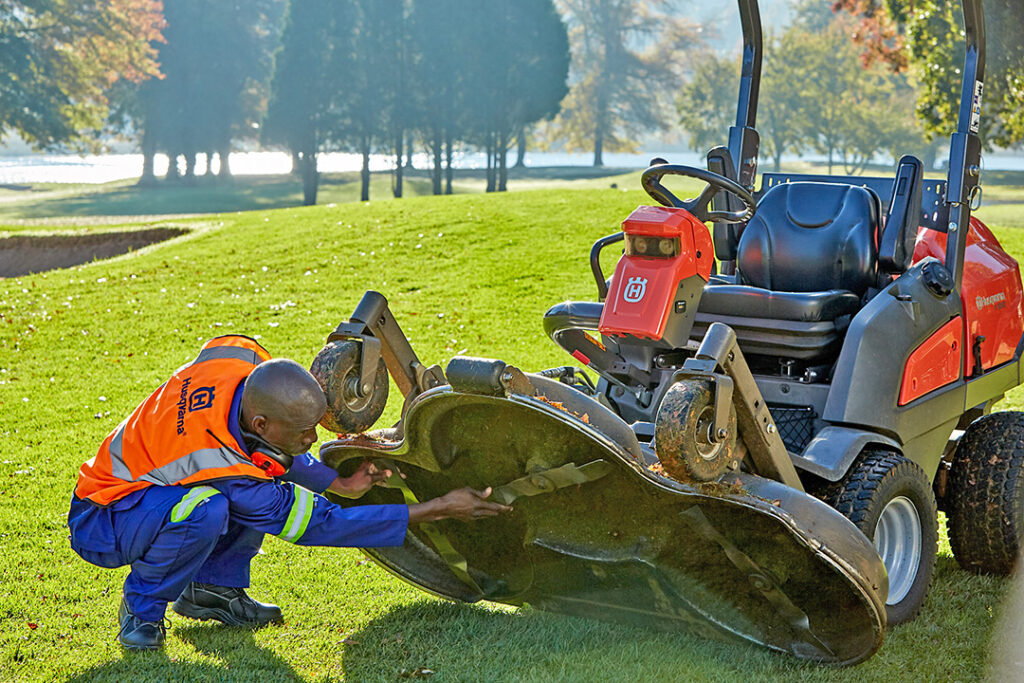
(80, 347)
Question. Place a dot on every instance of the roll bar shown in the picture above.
(965, 145)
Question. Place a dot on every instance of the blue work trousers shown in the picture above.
(164, 555)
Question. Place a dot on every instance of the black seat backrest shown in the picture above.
(896, 248)
(811, 237)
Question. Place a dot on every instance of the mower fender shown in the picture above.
(832, 451)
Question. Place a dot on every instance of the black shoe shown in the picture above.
(230, 606)
(136, 634)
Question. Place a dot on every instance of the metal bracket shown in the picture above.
(756, 427)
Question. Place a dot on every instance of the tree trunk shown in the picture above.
(310, 178)
(502, 162)
(521, 148)
(172, 166)
(448, 164)
(491, 159)
(296, 163)
(408, 153)
(598, 146)
(396, 188)
(435, 174)
(190, 167)
(148, 154)
(364, 193)
(224, 172)
(777, 161)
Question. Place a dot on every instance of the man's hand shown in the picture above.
(464, 504)
(360, 482)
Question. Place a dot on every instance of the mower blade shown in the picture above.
(595, 533)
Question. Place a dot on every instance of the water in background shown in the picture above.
(69, 168)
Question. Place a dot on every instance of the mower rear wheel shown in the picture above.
(350, 407)
(890, 499)
(684, 437)
(986, 494)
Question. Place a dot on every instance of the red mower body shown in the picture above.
(665, 248)
(993, 302)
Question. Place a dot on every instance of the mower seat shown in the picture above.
(806, 259)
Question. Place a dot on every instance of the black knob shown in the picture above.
(937, 279)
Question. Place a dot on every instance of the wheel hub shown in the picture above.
(898, 541)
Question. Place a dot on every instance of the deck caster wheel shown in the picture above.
(986, 494)
(684, 439)
(890, 499)
(351, 408)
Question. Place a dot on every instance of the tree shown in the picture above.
(625, 62)
(707, 101)
(927, 35)
(59, 57)
(519, 62)
(300, 114)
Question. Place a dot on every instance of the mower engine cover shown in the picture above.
(597, 532)
(659, 279)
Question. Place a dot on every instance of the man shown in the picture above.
(186, 487)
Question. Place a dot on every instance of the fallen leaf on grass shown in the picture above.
(418, 672)
(32, 625)
(349, 641)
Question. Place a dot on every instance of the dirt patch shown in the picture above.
(27, 254)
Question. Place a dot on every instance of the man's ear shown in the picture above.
(258, 424)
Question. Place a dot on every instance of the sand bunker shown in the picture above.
(26, 254)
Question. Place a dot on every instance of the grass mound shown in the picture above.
(80, 347)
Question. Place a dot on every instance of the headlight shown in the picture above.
(652, 247)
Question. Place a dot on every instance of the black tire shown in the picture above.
(336, 368)
(985, 494)
(882, 481)
(682, 433)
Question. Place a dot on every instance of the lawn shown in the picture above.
(80, 347)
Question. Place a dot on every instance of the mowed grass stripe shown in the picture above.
(79, 348)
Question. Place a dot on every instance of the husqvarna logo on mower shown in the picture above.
(983, 301)
(635, 289)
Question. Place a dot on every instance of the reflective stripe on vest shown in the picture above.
(172, 472)
(298, 518)
(188, 502)
(223, 352)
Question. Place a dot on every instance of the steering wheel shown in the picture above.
(651, 181)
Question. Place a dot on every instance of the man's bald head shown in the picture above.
(281, 390)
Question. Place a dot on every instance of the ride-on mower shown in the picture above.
(769, 438)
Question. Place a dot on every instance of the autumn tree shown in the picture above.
(59, 58)
(926, 34)
(625, 68)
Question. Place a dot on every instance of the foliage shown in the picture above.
(57, 58)
(932, 31)
(503, 67)
(215, 60)
(626, 62)
(815, 94)
(707, 101)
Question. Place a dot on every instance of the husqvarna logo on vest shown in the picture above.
(635, 289)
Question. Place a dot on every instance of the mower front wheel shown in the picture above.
(351, 408)
(986, 494)
(890, 499)
(684, 433)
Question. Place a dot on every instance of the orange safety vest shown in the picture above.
(178, 434)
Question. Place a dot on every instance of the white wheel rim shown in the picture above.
(898, 542)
